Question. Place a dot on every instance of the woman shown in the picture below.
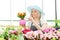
(37, 21)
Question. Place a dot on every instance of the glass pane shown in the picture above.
(49, 10)
(58, 11)
(5, 23)
(15, 23)
(4, 9)
(17, 6)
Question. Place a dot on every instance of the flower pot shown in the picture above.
(22, 22)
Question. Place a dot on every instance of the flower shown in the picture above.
(26, 30)
(46, 30)
(58, 33)
(13, 32)
(21, 15)
(30, 35)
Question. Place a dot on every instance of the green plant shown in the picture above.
(13, 37)
(56, 23)
(53, 38)
(6, 34)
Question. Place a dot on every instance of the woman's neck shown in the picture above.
(37, 20)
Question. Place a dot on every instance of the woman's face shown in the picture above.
(35, 13)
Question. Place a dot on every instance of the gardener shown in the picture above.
(37, 22)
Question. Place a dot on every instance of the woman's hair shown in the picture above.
(39, 13)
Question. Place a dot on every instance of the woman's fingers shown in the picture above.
(30, 18)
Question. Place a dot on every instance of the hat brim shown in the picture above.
(35, 7)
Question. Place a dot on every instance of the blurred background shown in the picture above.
(10, 8)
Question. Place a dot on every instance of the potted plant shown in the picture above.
(22, 16)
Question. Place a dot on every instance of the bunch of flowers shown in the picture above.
(26, 31)
(33, 34)
(52, 34)
(46, 30)
(21, 15)
(30, 35)
(13, 34)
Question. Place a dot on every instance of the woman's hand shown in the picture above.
(31, 19)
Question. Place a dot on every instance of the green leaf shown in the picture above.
(53, 38)
(57, 21)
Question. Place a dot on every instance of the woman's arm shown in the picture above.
(36, 25)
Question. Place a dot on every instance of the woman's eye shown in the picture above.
(34, 11)
(31, 11)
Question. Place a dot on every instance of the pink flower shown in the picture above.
(58, 34)
(39, 32)
(41, 36)
(30, 35)
(53, 29)
(36, 32)
(50, 36)
(26, 30)
(46, 30)
(13, 32)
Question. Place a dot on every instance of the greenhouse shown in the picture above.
(29, 20)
